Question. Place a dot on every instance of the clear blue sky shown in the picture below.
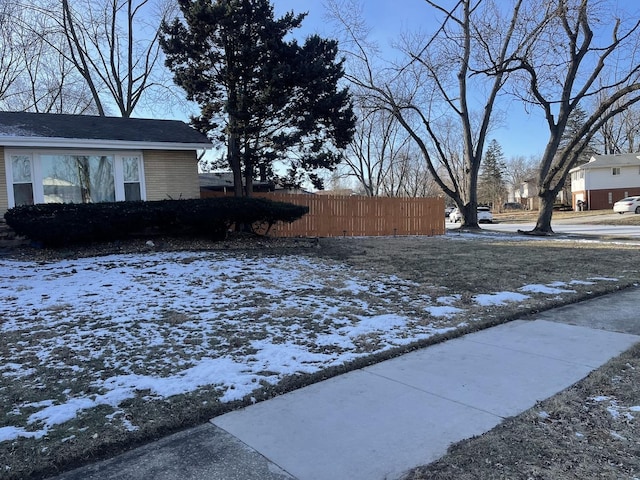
(522, 134)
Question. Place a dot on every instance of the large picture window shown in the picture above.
(43, 176)
(78, 178)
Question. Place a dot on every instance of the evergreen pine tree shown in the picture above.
(575, 122)
(491, 183)
(267, 99)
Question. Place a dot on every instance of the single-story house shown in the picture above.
(605, 179)
(53, 158)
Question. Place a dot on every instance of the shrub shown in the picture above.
(62, 224)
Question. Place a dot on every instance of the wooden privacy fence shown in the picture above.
(355, 216)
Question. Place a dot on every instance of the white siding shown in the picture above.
(603, 178)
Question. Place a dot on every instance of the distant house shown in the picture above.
(51, 158)
(605, 179)
(338, 192)
(527, 194)
(222, 182)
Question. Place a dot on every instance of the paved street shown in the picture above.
(577, 226)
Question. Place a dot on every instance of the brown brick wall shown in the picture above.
(599, 199)
(171, 174)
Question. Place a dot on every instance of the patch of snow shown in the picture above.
(16, 131)
(57, 414)
(617, 436)
(500, 298)
(11, 433)
(614, 412)
(443, 311)
(449, 299)
(546, 289)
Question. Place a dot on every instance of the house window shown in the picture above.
(73, 176)
(131, 174)
(21, 170)
(77, 178)
(610, 197)
(615, 170)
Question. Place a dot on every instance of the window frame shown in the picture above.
(615, 171)
(139, 182)
(11, 182)
(36, 169)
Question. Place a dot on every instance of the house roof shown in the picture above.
(224, 180)
(608, 161)
(60, 130)
(220, 180)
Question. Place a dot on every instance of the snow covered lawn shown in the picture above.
(113, 328)
(105, 346)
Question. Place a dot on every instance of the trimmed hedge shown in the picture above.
(61, 224)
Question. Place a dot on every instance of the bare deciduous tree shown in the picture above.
(410, 177)
(34, 76)
(518, 170)
(378, 143)
(114, 45)
(11, 65)
(565, 67)
(452, 76)
(620, 134)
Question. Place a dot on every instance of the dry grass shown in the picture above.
(460, 265)
(624, 219)
(490, 264)
(523, 216)
(514, 216)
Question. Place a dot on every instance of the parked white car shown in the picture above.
(484, 215)
(629, 204)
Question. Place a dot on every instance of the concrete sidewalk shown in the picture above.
(380, 421)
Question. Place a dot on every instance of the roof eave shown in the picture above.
(55, 142)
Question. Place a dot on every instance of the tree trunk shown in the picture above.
(469, 210)
(543, 224)
(233, 156)
(469, 216)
